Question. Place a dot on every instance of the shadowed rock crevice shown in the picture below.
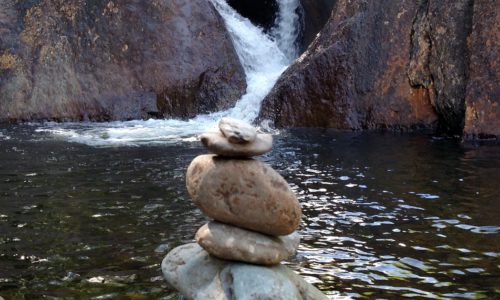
(439, 58)
(353, 76)
(261, 12)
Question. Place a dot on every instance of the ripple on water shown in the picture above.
(119, 210)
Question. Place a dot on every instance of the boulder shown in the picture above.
(217, 143)
(354, 74)
(233, 243)
(315, 14)
(200, 276)
(482, 97)
(243, 192)
(236, 131)
(115, 60)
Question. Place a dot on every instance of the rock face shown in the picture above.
(243, 192)
(353, 76)
(396, 64)
(315, 14)
(197, 275)
(108, 60)
(233, 243)
(439, 58)
(482, 98)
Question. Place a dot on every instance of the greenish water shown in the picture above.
(385, 216)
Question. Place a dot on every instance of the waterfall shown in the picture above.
(286, 29)
(263, 57)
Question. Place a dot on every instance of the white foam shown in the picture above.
(263, 61)
(3, 136)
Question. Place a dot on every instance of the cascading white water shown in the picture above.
(263, 57)
(286, 29)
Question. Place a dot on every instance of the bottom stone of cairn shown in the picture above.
(199, 276)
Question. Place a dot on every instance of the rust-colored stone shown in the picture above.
(482, 117)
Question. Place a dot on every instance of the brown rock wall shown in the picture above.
(397, 64)
(120, 59)
(482, 99)
(353, 76)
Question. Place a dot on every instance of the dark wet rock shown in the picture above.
(353, 76)
(482, 98)
(439, 58)
(199, 276)
(217, 143)
(234, 243)
(243, 192)
(107, 60)
(396, 64)
(315, 14)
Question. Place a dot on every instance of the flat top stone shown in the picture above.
(237, 131)
(218, 144)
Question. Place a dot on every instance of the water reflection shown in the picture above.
(385, 216)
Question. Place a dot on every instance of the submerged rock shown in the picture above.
(236, 131)
(243, 192)
(233, 243)
(199, 276)
(217, 143)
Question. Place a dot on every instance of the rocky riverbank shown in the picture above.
(401, 65)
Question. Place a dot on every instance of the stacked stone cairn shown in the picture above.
(238, 254)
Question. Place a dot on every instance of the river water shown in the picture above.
(384, 215)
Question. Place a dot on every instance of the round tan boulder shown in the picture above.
(243, 192)
(217, 143)
(234, 243)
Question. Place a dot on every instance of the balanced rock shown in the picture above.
(217, 143)
(236, 131)
(234, 243)
(243, 192)
(198, 275)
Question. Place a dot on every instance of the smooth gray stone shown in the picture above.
(218, 144)
(200, 276)
(236, 131)
(234, 243)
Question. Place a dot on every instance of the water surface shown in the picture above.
(385, 215)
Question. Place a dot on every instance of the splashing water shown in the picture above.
(263, 58)
(286, 29)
